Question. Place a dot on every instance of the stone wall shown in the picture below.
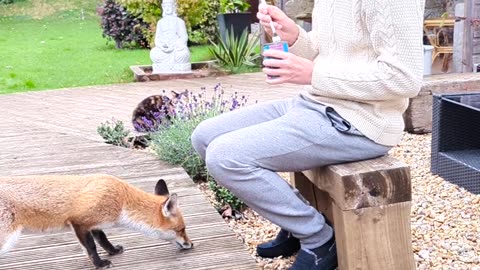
(435, 8)
(294, 8)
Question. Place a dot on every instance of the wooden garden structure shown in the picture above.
(467, 36)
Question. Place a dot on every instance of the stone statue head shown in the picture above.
(169, 7)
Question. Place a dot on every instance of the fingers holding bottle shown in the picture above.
(285, 27)
(264, 18)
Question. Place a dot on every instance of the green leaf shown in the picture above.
(235, 52)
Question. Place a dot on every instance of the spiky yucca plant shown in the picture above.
(233, 53)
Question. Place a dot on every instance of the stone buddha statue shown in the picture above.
(170, 54)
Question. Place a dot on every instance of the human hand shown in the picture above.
(288, 68)
(285, 27)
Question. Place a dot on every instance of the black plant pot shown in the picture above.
(239, 22)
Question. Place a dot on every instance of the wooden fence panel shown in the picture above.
(467, 36)
(474, 34)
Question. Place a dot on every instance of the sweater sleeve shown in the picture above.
(306, 44)
(385, 78)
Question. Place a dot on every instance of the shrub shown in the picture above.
(172, 142)
(148, 11)
(8, 2)
(233, 6)
(114, 132)
(199, 17)
(224, 196)
(173, 145)
(119, 25)
(235, 52)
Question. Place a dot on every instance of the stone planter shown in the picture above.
(239, 22)
(143, 73)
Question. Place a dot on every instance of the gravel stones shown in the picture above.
(445, 218)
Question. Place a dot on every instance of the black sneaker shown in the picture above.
(285, 244)
(321, 258)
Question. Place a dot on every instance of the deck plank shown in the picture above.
(54, 132)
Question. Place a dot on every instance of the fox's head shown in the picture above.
(169, 224)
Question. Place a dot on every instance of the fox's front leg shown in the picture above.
(86, 239)
(8, 240)
(8, 234)
(102, 240)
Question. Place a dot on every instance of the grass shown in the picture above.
(47, 45)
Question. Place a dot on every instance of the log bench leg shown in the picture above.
(371, 238)
(317, 198)
(375, 238)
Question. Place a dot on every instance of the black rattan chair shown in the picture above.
(456, 139)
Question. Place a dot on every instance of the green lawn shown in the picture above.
(62, 50)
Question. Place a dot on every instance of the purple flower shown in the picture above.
(137, 127)
(215, 89)
(188, 106)
(148, 122)
(234, 104)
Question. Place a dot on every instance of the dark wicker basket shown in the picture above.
(456, 139)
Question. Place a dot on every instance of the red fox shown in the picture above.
(87, 204)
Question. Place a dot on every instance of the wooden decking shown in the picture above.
(54, 132)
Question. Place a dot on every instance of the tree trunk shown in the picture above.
(118, 44)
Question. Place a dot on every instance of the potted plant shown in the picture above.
(234, 14)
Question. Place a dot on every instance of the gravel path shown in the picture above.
(445, 218)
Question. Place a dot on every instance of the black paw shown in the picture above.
(102, 264)
(117, 250)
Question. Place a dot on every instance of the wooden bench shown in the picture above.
(369, 204)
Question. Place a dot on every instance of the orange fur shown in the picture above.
(42, 203)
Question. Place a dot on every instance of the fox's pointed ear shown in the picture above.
(170, 206)
(161, 188)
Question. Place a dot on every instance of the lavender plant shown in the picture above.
(171, 142)
(190, 107)
(169, 129)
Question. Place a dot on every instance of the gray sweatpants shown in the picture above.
(243, 149)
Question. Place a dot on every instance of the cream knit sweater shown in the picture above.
(368, 57)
